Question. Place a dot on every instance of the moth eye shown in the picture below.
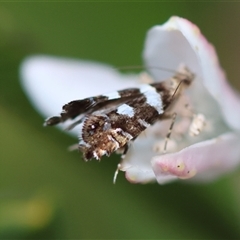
(93, 128)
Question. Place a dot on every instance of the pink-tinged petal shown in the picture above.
(138, 175)
(202, 161)
(51, 82)
(179, 41)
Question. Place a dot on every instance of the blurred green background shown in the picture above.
(48, 192)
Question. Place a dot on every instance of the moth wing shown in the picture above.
(96, 103)
(51, 82)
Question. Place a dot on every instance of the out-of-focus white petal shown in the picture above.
(51, 82)
(167, 47)
(179, 41)
(201, 161)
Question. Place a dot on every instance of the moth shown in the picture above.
(110, 122)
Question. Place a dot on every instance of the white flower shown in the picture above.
(52, 82)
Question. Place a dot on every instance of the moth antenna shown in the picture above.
(176, 89)
(133, 67)
(73, 147)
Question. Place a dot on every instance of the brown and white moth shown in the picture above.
(110, 122)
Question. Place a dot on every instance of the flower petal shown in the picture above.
(202, 161)
(138, 175)
(167, 47)
(179, 41)
(137, 164)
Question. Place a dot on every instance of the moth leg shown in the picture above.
(174, 115)
(125, 150)
(73, 147)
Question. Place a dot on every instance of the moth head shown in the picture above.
(98, 138)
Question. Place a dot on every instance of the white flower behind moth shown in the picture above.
(214, 150)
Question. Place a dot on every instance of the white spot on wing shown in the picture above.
(125, 109)
(153, 98)
(112, 95)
